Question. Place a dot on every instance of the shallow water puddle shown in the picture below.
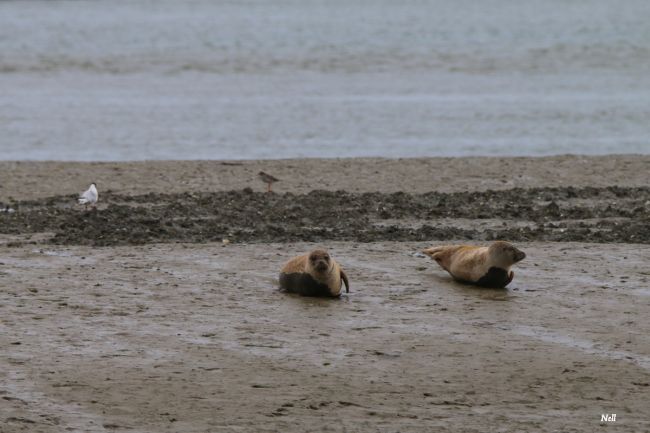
(584, 345)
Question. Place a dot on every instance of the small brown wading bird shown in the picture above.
(267, 179)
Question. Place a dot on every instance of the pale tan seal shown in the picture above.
(314, 274)
(484, 266)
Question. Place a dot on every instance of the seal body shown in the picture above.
(313, 274)
(484, 266)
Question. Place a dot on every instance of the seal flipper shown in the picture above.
(345, 280)
(495, 278)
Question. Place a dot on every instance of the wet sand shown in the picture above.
(197, 338)
(193, 336)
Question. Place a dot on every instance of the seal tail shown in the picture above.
(439, 254)
(431, 251)
(435, 253)
(345, 280)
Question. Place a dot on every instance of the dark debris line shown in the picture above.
(613, 214)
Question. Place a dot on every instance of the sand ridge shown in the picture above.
(26, 180)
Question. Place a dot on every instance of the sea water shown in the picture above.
(136, 80)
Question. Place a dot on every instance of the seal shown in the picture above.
(314, 274)
(483, 266)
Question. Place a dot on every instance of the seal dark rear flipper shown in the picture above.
(496, 278)
(345, 280)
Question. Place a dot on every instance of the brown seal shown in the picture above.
(314, 274)
(483, 266)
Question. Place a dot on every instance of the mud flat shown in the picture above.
(136, 317)
(196, 337)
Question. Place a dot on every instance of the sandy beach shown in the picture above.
(28, 180)
(136, 317)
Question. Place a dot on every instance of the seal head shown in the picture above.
(319, 261)
(504, 254)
